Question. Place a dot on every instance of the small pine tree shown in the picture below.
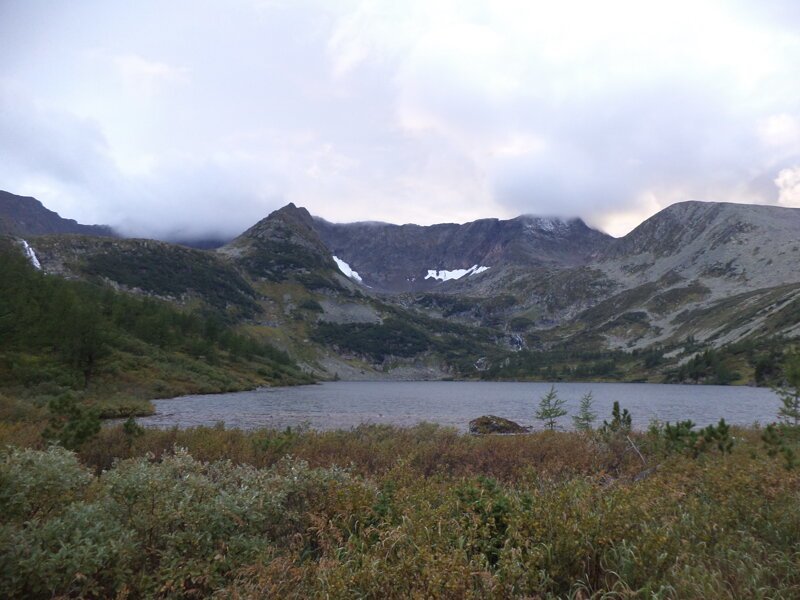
(774, 438)
(132, 430)
(723, 437)
(620, 420)
(551, 408)
(789, 392)
(585, 418)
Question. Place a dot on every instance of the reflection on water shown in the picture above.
(342, 404)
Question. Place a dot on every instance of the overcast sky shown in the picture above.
(190, 118)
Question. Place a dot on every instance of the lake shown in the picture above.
(345, 404)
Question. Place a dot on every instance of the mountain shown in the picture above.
(731, 246)
(284, 247)
(696, 268)
(700, 291)
(25, 216)
(403, 258)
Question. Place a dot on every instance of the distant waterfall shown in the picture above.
(31, 255)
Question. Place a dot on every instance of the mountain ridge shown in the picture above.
(507, 298)
(399, 258)
(26, 216)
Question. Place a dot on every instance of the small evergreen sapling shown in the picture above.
(585, 418)
(681, 437)
(551, 408)
(621, 421)
(775, 442)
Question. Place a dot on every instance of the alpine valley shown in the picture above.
(701, 292)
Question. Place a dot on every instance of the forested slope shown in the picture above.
(116, 349)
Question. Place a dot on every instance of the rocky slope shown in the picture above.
(408, 258)
(731, 247)
(148, 267)
(25, 216)
(695, 258)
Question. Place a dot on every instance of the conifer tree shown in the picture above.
(585, 418)
(551, 408)
(620, 420)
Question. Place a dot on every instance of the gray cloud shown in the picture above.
(196, 119)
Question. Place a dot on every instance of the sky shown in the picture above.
(196, 118)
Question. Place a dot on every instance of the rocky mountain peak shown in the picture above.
(293, 214)
(284, 245)
(289, 223)
(552, 225)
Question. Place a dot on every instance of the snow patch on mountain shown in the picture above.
(345, 268)
(445, 275)
(31, 255)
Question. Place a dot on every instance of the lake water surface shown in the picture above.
(343, 404)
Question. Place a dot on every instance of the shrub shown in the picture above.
(485, 511)
(438, 514)
(178, 527)
(35, 484)
(682, 437)
(81, 552)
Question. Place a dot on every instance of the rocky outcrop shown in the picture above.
(492, 424)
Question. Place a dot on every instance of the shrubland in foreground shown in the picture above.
(380, 512)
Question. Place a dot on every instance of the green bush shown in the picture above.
(81, 552)
(177, 527)
(35, 484)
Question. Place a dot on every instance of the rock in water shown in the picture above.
(492, 424)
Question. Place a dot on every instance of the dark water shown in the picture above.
(342, 405)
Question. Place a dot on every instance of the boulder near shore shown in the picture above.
(492, 424)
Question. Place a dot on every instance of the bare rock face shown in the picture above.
(492, 424)
(715, 271)
(400, 258)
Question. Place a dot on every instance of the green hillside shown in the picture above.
(115, 349)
